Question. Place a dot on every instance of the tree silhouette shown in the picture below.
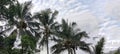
(69, 38)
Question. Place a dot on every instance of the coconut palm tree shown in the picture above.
(47, 24)
(98, 48)
(19, 20)
(69, 38)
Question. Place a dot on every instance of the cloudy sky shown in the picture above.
(97, 17)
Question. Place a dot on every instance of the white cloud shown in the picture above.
(94, 17)
(21, 1)
(109, 26)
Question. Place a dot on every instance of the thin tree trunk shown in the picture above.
(47, 46)
(71, 51)
(68, 51)
(74, 51)
(47, 34)
(19, 37)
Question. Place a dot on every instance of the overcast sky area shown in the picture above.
(97, 17)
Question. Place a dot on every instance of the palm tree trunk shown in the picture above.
(71, 51)
(68, 51)
(47, 43)
(74, 51)
(47, 46)
(20, 34)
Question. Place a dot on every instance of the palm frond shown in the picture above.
(99, 46)
(84, 46)
(45, 16)
(51, 20)
(57, 48)
(82, 34)
(33, 24)
(43, 41)
(26, 7)
(86, 49)
(69, 38)
(7, 31)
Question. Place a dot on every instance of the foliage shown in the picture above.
(7, 44)
(69, 38)
(47, 23)
(22, 24)
(98, 48)
(28, 44)
(19, 22)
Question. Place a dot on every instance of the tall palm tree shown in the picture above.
(69, 38)
(20, 21)
(47, 24)
(98, 48)
(19, 16)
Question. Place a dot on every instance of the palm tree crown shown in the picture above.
(98, 48)
(47, 25)
(20, 21)
(69, 38)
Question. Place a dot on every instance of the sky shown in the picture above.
(99, 18)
